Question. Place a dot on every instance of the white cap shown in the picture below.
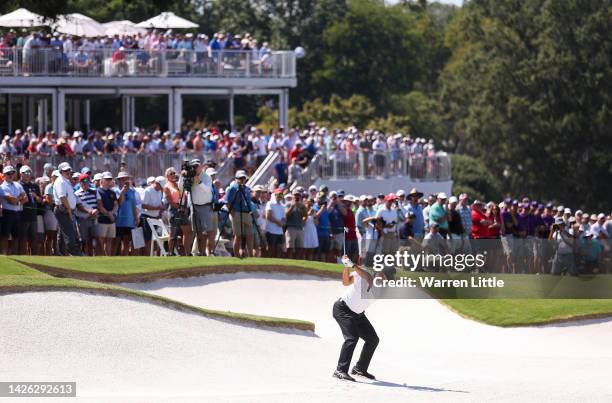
(259, 188)
(150, 180)
(560, 208)
(579, 212)
(363, 198)
(453, 199)
(312, 187)
(350, 198)
(600, 216)
(107, 175)
(97, 176)
(25, 169)
(442, 195)
(7, 169)
(567, 210)
(400, 193)
(211, 171)
(75, 175)
(160, 179)
(55, 173)
(123, 174)
(64, 166)
(240, 174)
(593, 217)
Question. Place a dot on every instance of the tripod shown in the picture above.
(181, 213)
(243, 202)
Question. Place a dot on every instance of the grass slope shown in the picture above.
(146, 264)
(497, 312)
(17, 277)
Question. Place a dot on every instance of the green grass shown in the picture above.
(146, 265)
(523, 312)
(17, 277)
(497, 312)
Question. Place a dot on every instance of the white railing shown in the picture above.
(146, 63)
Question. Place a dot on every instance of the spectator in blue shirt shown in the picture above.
(127, 214)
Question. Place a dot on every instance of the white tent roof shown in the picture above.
(122, 27)
(79, 25)
(21, 18)
(167, 20)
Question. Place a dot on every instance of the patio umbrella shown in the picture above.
(21, 18)
(79, 25)
(122, 27)
(167, 20)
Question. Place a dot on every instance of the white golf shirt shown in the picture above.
(353, 296)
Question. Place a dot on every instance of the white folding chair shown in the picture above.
(159, 237)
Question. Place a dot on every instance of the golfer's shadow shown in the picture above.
(413, 387)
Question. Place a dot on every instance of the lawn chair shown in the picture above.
(159, 237)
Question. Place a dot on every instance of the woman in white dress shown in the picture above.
(311, 241)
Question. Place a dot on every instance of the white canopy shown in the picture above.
(123, 27)
(21, 18)
(79, 25)
(167, 20)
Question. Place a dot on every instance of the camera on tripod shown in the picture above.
(188, 172)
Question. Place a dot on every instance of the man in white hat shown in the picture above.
(238, 199)
(439, 214)
(65, 204)
(49, 219)
(13, 197)
(152, 207)
(201, 207)
(29, 237)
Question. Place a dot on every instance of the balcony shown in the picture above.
(104, 63)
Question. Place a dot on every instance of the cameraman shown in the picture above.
(564, 245)
(201, 205)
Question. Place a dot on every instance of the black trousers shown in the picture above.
(67, 233)
(354, 326)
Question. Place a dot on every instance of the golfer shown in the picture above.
(349, 313)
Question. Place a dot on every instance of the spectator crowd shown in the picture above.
(63, 212)
(53, 52)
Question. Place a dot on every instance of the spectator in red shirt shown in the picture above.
(350, 237)
(480, 223)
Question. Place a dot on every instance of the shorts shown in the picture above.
(28, 230)
(507, 244)
(295, 238)
(274, 239)
(88, 228)
(50, 221)
(124, 232)
(337, 243)
(379, 160)
(201, 218)
(352, 247)
(107, 230)
(177, 219)
(242, 224)
(146, 228)
(324, 243)
(10, 223)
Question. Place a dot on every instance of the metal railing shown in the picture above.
(140, 166)
(146, 63)
(342, 164)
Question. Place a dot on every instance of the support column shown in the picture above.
(24, 111)
(127, 113)
(177, 114)
(61, 112)
(76, 114)
(70, 112)
(42, 115)
(132, 116)
(232, 119)
(9, 105)
(283, 108)
(87, 106)
(31, 101)
(171, 111)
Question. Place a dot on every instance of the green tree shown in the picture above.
(528, 92)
